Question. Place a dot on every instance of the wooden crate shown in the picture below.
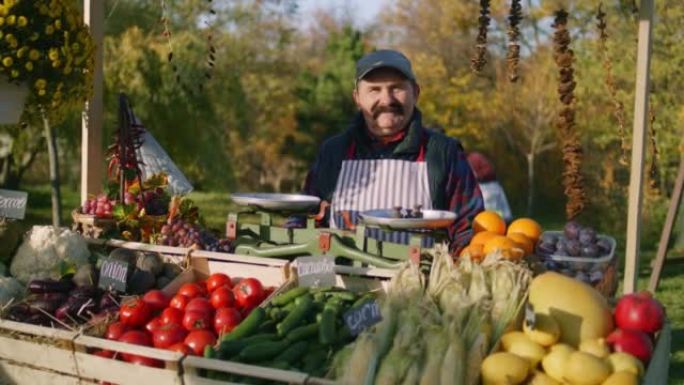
(658, 369)
(33, 354)
(352, 278)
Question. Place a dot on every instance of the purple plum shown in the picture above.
(590, 251)
(587, 236)
(549, 238)
(574, 248)
(572, 230)
(604, 245)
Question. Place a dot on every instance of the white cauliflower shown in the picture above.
(45, 251)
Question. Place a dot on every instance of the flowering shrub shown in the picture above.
(46, 45)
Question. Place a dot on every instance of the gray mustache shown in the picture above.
(391, 108)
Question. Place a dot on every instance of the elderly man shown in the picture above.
(386, 158)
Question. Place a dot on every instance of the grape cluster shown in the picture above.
(179, 232)
(99, 206)
(155, 202)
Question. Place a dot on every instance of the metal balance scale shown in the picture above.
(265, 239)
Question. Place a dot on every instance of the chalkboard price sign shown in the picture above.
(316, 271)
(114, 275)
(362, 317)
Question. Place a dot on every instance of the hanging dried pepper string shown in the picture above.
(609, 80)
(573, 181)
(478, 61)
(655, 154)
(513, 55)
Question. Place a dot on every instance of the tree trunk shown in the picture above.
(54, 172)
(530, 183)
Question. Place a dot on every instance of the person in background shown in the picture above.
(386, 158)
(492, 191)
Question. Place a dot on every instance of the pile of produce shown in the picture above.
(147, 270)
(194, 318)
(299, 330)
(570, 337)
(437, 333)
(490, 234)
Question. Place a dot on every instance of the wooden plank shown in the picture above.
(37, 330)
(100, 343)
(92, 159)
(191, 363)
(665, 236)
(14, 373)
(636, 179)
(39, 355)
(659, 367)
(120, 372)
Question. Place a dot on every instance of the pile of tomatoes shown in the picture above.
(195, 317)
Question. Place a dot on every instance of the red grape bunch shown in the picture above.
(99, 206)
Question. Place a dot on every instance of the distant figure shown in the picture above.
(492, 192)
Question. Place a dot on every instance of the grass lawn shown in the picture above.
(215, 206)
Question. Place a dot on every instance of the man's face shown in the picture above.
(387, 99)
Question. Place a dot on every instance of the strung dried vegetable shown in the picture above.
(478, 61)
(513, 56)
(573, 181)
(618, 106)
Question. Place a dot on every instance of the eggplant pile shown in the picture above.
(61, 300)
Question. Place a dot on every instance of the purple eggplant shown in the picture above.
(39, 319)
(43, 286)
(109, 299)
(45, 305)
(84, 292)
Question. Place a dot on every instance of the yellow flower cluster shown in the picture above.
(46, 45)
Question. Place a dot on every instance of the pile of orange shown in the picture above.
(490, 234)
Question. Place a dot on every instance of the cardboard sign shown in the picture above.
(114, 275)
(316, 271)
(13, 204)
(530, 317)
(362, 317)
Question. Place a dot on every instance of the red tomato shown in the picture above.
(222, 297)
(135, 337)
(226, 319)
(171, 315)
(179, 301)
(135, 313)
(197, 320)
(115, 330)
(154, 324)
(200, 304)
(248, 293)
(104, 353)
(168, 335)
(156, 299)
(198, 339)
(180, 347)
(146, 361)
(217, 280)
(268, 291)
(191, 290)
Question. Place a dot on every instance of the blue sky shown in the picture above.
(363, 10)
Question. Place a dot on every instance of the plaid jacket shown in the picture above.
(452, 183)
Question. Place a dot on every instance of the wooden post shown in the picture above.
(675, 200)
(636, 179)
(53, 157)
(92, 161)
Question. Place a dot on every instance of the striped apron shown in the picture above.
(373, 184)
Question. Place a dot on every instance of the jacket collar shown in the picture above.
(409, 145)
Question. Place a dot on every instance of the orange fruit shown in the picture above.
(499, 242)
(523, 242)
(482, 237)
(526, 226)
(489, 221)
(473, 251)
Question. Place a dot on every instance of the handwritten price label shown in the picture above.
(362, 317)
(316, 271)
(13, 204)
(114, 275)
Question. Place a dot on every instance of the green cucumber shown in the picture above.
(326, 332)
(315, 358)
(292, 353)
(303, 304)
(261, 337)
(289, 296)
(343, 335)
(248, 326)
(267, 326)
(343, 295)
(363, 299)
(227, 349)
(302, 332)
(263, 350)
(210, 352)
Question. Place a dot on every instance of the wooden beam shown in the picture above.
(675, 201)
(636, 179)
(92, 160)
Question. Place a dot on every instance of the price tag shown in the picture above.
(114, 275)
(362, 317)
(13, 204)
(316, 271)
(530, 317)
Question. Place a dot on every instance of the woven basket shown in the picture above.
(90, 226)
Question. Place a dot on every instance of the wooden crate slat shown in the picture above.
(14, 373)
(100, 343)
(122, 373)
(658, 369)
(37, 330)
(38, 354)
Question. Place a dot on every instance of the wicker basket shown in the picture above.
(90, 226)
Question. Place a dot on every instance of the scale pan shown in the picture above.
(431, 219)
(277, 202)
